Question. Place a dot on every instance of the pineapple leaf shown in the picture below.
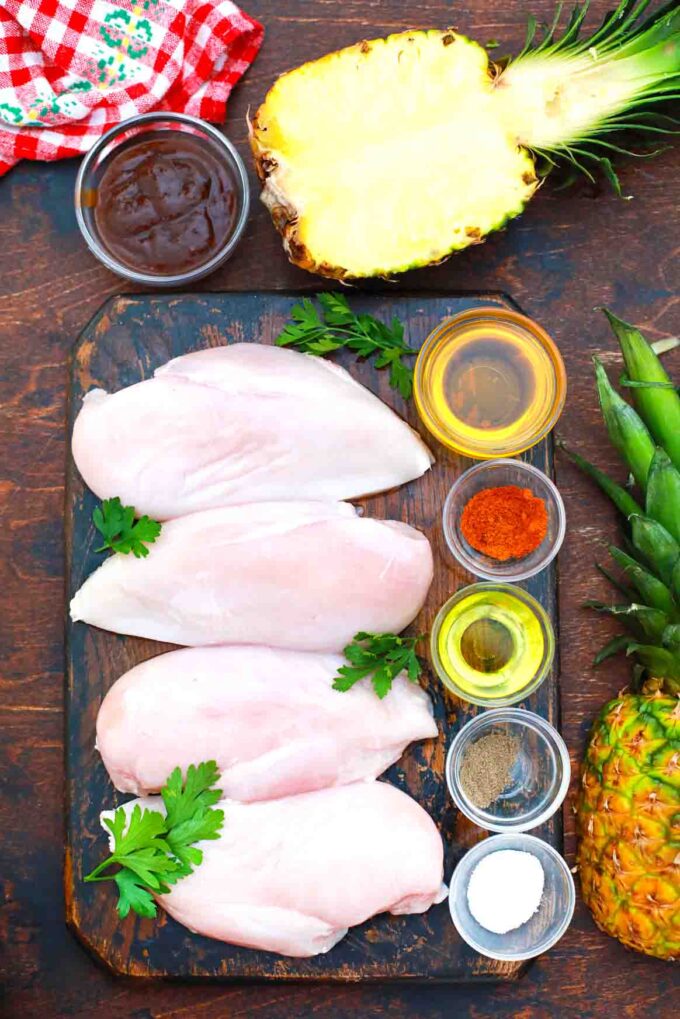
(626, 591)
(627, 430)
(663, 493)
(611, 175)
(620, 643)
(642, 619)
(659, 408)
(659, 661)
(624, 502)
(671, 637)
(652, 590)
(642, 54)
(656, 545)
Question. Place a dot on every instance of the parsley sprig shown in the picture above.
(332, 325)
(153, 851)
(382, 656)
(121, 532)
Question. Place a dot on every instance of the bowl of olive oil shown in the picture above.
(489, 382)
(492, 644)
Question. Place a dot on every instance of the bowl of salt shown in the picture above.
(512, 897)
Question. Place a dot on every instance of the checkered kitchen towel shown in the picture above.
(71, 69)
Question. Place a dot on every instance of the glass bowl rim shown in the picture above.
(541, 675)
(243, 193)
(468, 561)
(492, 844)
(540, 335)
(478, 724)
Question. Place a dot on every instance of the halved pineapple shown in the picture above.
(392, 154)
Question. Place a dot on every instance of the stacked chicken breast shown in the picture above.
(244, 451)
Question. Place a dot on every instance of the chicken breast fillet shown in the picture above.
(300, 575)
(270, 718)
(293, 875)
(242, 423)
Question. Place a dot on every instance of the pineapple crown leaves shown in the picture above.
(648, 53)
(647, 440)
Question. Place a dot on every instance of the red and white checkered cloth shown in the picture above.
(71, 69)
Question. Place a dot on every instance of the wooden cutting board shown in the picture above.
(127, 339)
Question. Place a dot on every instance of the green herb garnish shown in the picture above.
(334, 325)
(122, 533)
(153, 851)
(382, 656)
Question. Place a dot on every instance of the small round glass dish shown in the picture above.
(162, 199)
(546, 926)
(492, 644)
(498, 474)
(489, 382)
(538, 780)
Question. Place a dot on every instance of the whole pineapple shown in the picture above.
(628, 807)
(393, 153)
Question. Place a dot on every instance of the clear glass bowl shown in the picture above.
(539, 779)
(546, 926)
(538, 373)
(491, 690)
(92, 168)
(496, 474)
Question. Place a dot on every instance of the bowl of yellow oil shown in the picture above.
(492, 644)
(489, 382)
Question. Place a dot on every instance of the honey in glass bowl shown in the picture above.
(489, 382)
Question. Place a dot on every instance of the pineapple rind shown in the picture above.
(629, 823)
(363, 181)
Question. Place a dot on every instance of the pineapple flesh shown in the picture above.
(629, 823)
(394, 153)
(388, 155)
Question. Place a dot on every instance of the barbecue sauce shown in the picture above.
(166, 204)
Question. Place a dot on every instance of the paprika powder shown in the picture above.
(505, 523)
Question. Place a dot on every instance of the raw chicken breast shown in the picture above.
(300, 575)
(243, 423)
(270, 718)
(293, 875)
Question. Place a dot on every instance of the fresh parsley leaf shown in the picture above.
(120, 530)
(132, 895)
(152, 850)
(332, 325)
(382, 656)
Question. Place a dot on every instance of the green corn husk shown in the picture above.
(659, 407)
(622, 499)
(651, 589)
(656, 545)
(626, 428)
(662, 500)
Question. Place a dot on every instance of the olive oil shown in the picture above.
(492, 643)
(489, 382)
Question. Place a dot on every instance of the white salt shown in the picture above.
(505, 890)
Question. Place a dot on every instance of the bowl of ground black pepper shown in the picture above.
(508, 770)
(504, 520)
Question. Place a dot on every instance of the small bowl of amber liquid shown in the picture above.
(489, 382)
(162, 199)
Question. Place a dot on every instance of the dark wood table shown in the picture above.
(571, 252)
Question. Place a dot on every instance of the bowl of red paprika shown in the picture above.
(504, 520)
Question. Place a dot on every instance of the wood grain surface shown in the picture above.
(572, 251)
(125, 342)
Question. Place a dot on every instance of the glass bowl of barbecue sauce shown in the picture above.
(162, 199)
